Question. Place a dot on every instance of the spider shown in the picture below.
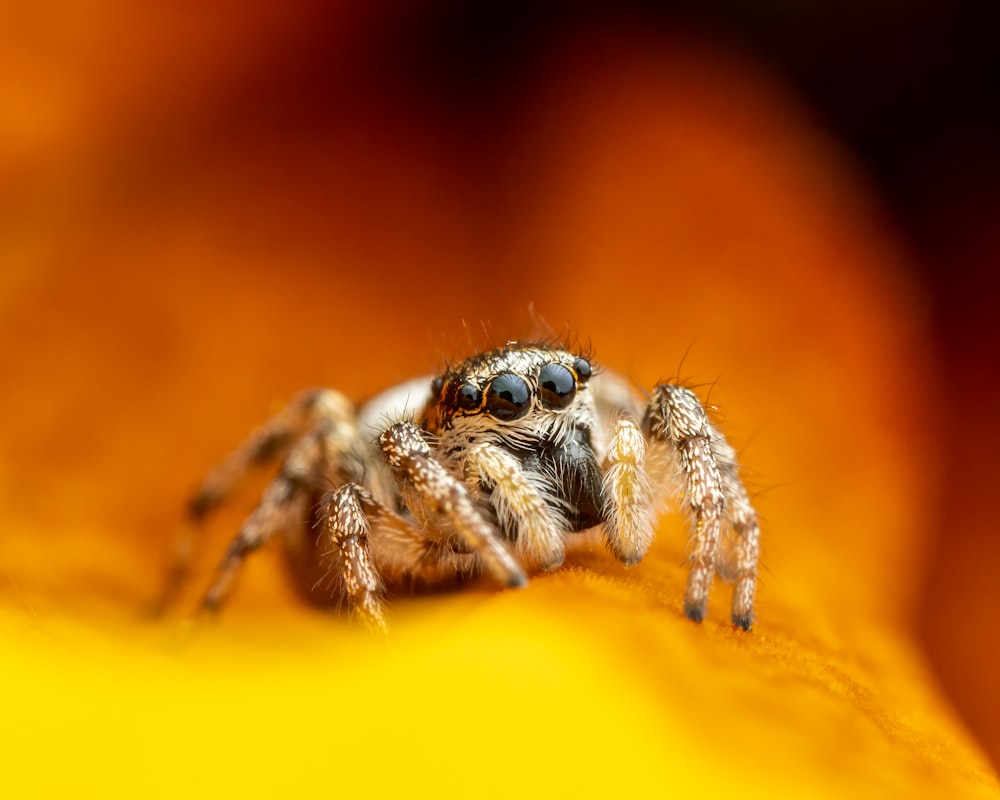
(487, 468)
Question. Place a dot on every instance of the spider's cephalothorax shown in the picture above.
(532, 405)
(488, 467)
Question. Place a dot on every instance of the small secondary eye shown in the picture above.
(583, 369)
(508, 396)
(469, 397)
(437, 385)
(557, 385)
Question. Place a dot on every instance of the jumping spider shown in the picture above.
(488, 467)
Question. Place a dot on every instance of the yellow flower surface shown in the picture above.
(175, 267)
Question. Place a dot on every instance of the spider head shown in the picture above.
(516, 391)
(533, 401)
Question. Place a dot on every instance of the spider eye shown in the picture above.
(583, 368)
(508, 396)
(557, 384)
(469, 397)
(437, 385)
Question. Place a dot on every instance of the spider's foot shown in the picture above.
(554, 562)
(210, 606)
(743, 621)
(694, 611)
(629, 555)
(516, 580)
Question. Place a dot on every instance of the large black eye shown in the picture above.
(557, 386)
(468, 396)
(583, 369)
(508, 396)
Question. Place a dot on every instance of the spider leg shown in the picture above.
(431, 493)
(348, 513)
(685, 443)
(520, 502)
(742, 520)
(284, 504)
(406, 555)
(284, 508)
(628, 508)
(363, 543)
(270, 442)
(332, 451)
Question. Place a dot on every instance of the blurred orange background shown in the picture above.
(203, 211)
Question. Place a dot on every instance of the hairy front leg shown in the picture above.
(628, 503)
(431, 493)
(519, 498)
